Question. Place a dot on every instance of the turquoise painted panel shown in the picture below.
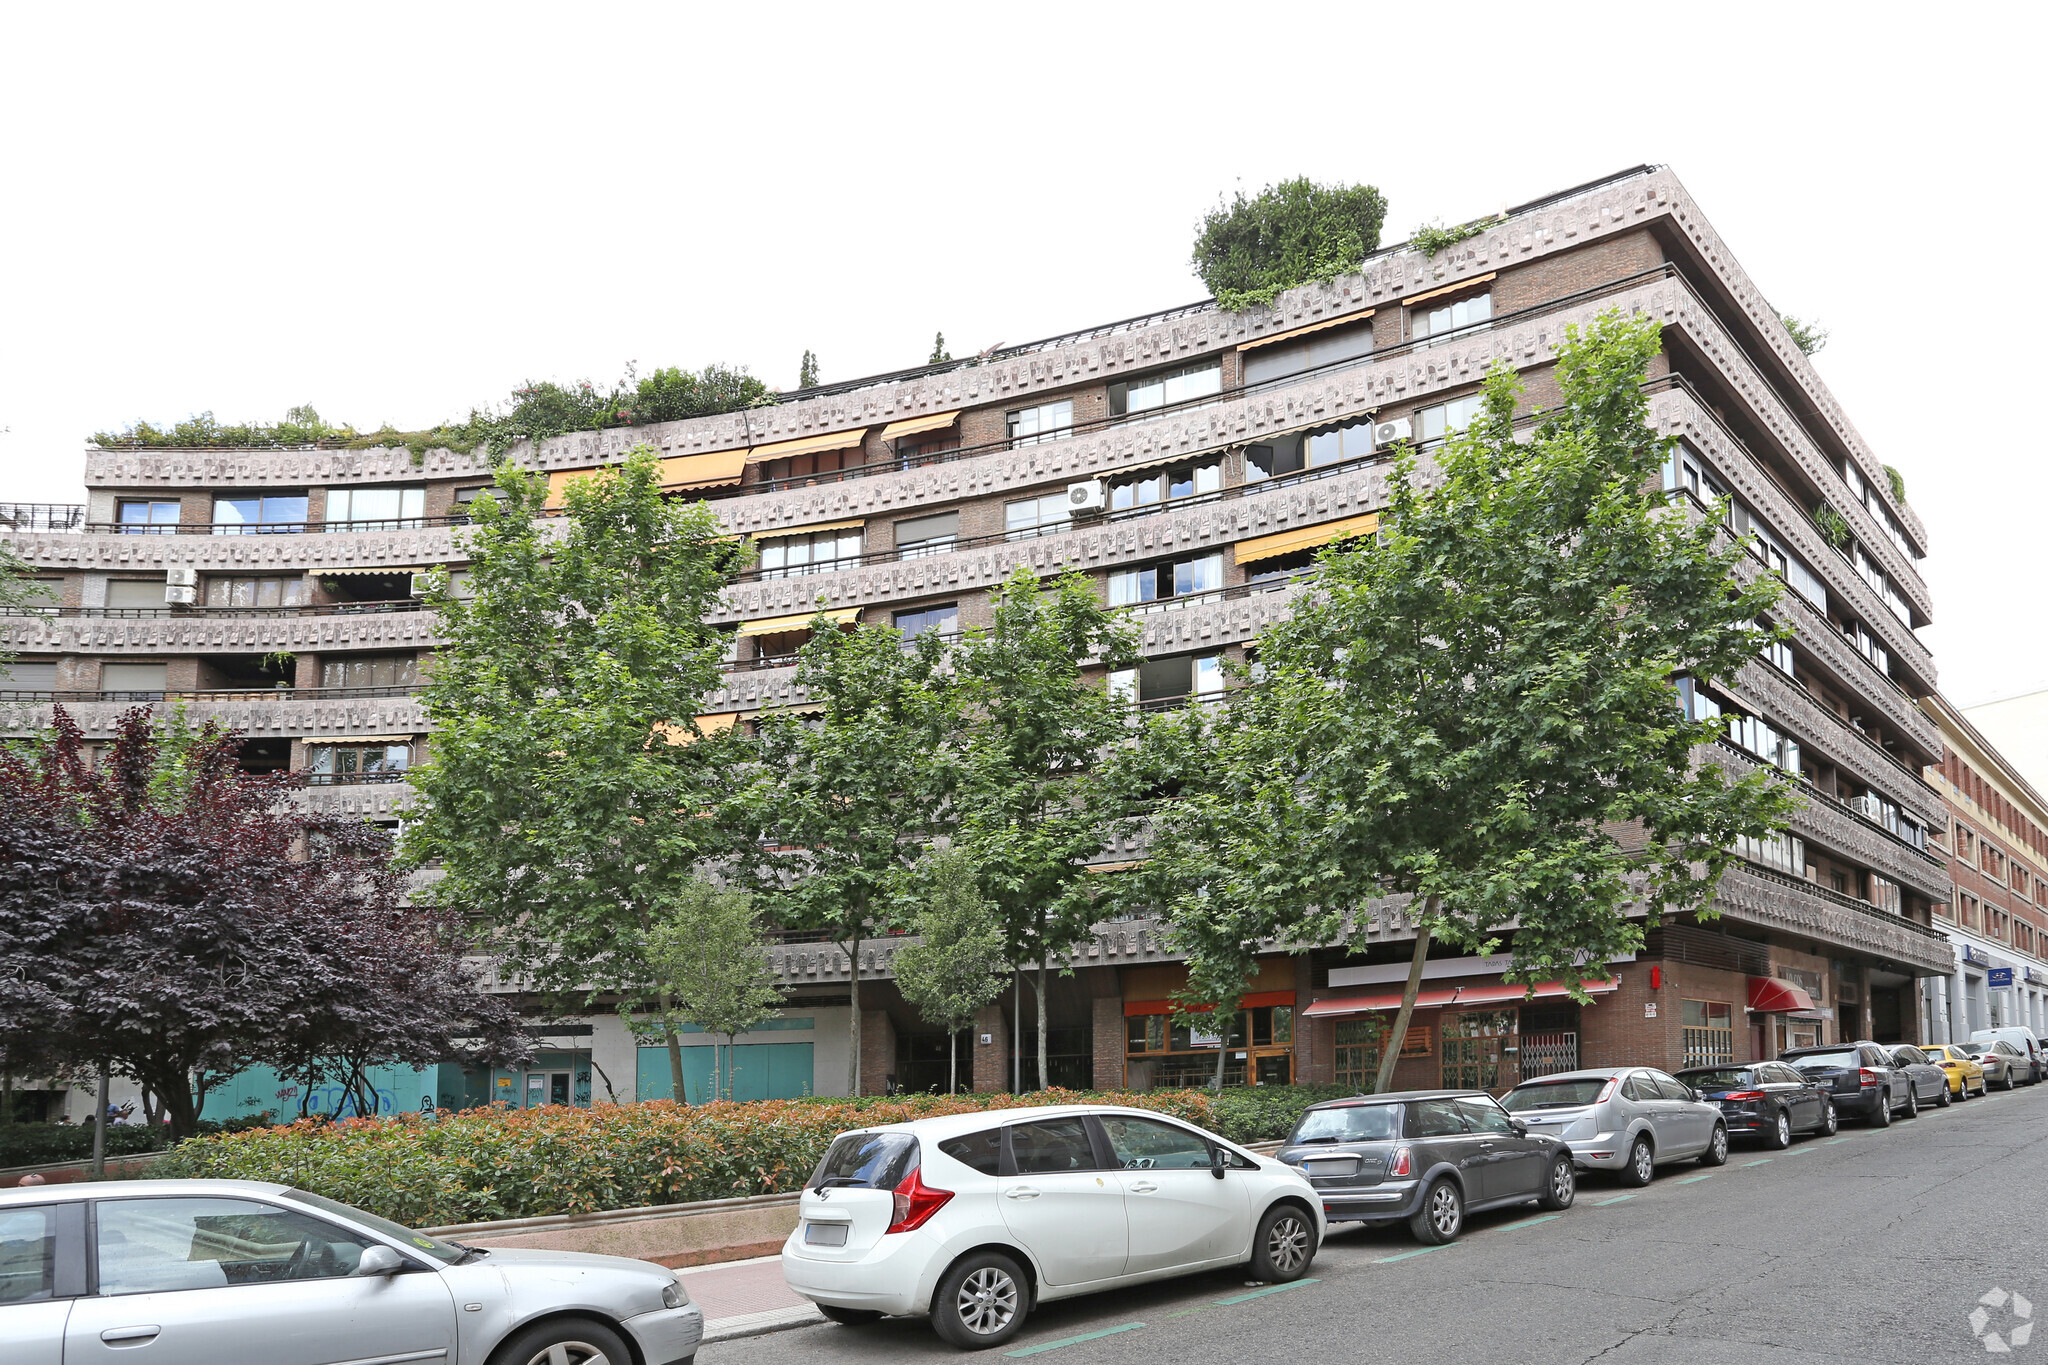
(399, 1090)
(778, 1025)
(759, 1071)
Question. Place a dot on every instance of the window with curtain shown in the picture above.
(370, 670)
(257, 592)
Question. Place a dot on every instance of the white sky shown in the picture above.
(395, 212)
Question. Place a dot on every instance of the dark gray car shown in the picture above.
(1930, 1082)
(1426, 1157)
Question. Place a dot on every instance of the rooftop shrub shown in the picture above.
(1250, 249)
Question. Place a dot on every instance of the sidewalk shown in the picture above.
(746, 1299)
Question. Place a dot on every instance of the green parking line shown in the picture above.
(1803, 1151)
(1532, 1222)
(1406, 1255)
(1261, 1293)
(1198, 1308)
(1074, 1341)
(1747, 1164)
(1692, 1180)
(1844, 1138)
(1616, 1200)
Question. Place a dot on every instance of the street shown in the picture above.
(1876, 1245)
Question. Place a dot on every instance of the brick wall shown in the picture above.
(992, 1060)
(877, 1051)
(1108, 1041)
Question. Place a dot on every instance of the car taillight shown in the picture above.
(1743, 1095)
(1607, 1090)
(916, 1202)
(1399, 1165)
(1868, 1077)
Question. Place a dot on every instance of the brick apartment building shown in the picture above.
(1189, 461)
(1996, 844)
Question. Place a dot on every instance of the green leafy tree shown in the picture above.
(708, 957)
(956, 966)
(569, 795)
(940, 355)
(1809, 337)
(1252, 248)
(17, 590)
(807, 371)
(1480, 707)
(1898, 483)
(1041, 791)
(851, 788)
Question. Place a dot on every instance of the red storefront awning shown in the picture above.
(1768, 995)
(1455, 995)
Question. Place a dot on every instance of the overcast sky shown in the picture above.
(395, 213)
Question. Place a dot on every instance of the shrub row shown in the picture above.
(38, 1144)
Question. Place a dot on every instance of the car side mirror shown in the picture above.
(1216, 1160)
(380, 1260)
(1521, 1128)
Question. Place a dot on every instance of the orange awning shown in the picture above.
(808, 445)
(1347, 319)
(775, 625)
(1447, 289)
(910, 426)
(677, 472)
(1768, 995)
(1304, 538)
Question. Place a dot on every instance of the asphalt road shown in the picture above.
(1876, 1245)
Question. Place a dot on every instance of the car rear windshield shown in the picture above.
(875, 1161)
(1848, 1057)
(1349, 1123)
(1554, 1094)
(1724, 1079)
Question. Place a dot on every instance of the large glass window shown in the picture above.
(376, 509)
(371, 670)
(153, 517)
(1339, 443)
(257, 592)
(1188, 675)
(152, 1246)
(359, 760)
(1442, 321)
(1046, 422)
(1159, 582)
(1474, 1042)
(1435, 423)
(945, 619)
(1040, 516)
(818, 552)
(1162, 390)
(1159, 485)
(1785, 852)
(1358, 1049)
(252, 514)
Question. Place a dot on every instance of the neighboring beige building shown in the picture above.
(2018, 728)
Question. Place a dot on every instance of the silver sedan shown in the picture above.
(1626, 1119)
(199, 1272)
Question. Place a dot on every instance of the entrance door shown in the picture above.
(546, 1087)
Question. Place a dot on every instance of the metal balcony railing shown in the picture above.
(41, 516)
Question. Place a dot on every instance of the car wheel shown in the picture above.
(849, 1317)
(565, 1341)
(1284, 1245)
(1831, 1122)
(2008, 1080)
(1912, 1109)
(1442, 1215)
(1562, 1187)
(1943, 1100)
(981, 1302)
(1880, 1115)
(1717, 1148)
(1779, 1135)
(1642, 1164)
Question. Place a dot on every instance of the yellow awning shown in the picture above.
(369, 568)
(771, 625)
(910, 426)
(706, 725)
(1305, 537)
(806, 445)
(677, 472)
(1447, 289)
(782, 531)
(1304, 331)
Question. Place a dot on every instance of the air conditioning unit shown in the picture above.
(182, 578)
(1387, 433)
(181, 596)
(420, 584)
(1083, 497)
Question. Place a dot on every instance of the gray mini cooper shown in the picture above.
(1426, 1157)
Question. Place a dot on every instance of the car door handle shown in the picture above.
(1143, 1187)
(1021, 1192)
(114, 1334)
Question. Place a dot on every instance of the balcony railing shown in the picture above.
(313, 779)
(181, 613)
(41, 516)
(270, 528)
(224, 694)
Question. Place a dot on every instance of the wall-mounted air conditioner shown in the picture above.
(181, 596)
(1084, 497)
(182, 578)
(420, 583)
(1387, 433)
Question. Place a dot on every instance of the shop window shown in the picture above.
(1163, 390)
(932, 535)
(1358, 1049)
(1165, 1054)
(1163, 582)
(1046, 422)
(1478, 1049)
(1041, 516)
(254, 514)
(1159, 485)
(1437, 323)
(1708, 1030)
(818, 552)
(371, 670)
(257, 592)
(375, 509)
(944, 619)
(151, 517)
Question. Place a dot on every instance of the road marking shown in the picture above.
(1616, 1200)
(1692, 1180)
(1406, 1255)
(1803, 1151)
(1843, 1138)
(1261, 1293)
(1531, 1222)
(1074, 1341)
(1747, 1164)
(1198, 1308)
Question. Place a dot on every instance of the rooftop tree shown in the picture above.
(1476, 712)
(570, 795)
(1252, 248)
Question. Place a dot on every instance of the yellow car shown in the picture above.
(1963, 1071)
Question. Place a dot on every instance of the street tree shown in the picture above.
(709, 957)
(955, 966)
(1042, 789)
(1479, 707)
(570, 795)
(853, 785)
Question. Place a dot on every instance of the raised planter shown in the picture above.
(673, 1235)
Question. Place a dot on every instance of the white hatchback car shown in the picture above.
(974, 1218)
(210, 1272)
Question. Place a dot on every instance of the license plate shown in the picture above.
(825, 1234)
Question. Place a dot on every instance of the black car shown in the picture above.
(1860, 1079)
(1428, 1157)
(1767, 1100)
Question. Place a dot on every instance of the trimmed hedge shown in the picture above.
(1266, 1113)
(41, 1144)
(480, 1164)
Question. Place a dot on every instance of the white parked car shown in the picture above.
(206, 1272)
(974, 1218)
